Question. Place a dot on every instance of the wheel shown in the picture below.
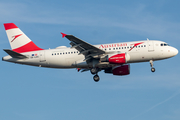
(94, 71)
(96, 78)
(152, 69)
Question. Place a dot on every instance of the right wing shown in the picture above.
(88, 50)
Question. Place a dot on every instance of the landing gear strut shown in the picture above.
(152, 68)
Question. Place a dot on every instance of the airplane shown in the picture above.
(113, 58)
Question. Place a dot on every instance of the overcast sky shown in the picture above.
(32, 93)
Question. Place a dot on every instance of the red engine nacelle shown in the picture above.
(119, 58)
(121, 70)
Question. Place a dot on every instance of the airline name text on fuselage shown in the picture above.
(113, 45)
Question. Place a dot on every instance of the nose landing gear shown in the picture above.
(152, 68)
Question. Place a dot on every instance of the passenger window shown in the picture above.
(144, 45)
(124, 47)
(52, 53)
(127, 47)
(116, 48)
(113, 48)
(68, 52)
(119, 48)
(105, 49)
(57, 53)
(109, 48)
(60, 53)
(162, 45)
(141, 45)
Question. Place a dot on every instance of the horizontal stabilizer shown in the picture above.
(14, 54)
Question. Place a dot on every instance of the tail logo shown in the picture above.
(16, 36)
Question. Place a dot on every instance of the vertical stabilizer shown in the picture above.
(18, 40)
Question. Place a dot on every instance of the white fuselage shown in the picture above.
(63, 57)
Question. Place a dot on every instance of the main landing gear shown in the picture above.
(152, 68)
(95, 71)
(96, 78)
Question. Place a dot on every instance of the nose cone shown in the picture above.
(174, 51)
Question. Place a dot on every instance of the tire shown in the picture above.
(152, 69)
(94, 71)
(96, 78)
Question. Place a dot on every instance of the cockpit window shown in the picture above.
(164, 44)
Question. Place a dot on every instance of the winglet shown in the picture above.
(78, 69)
(63, 35)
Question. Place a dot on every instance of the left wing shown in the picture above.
(88, 50)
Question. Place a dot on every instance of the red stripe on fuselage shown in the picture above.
(8, 26)
(27, 48)
(136, 44)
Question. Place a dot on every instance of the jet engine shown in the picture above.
(120, 58)
(119, 70)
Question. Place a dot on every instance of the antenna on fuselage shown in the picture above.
(147, 39)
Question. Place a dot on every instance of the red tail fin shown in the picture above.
(18, 40)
